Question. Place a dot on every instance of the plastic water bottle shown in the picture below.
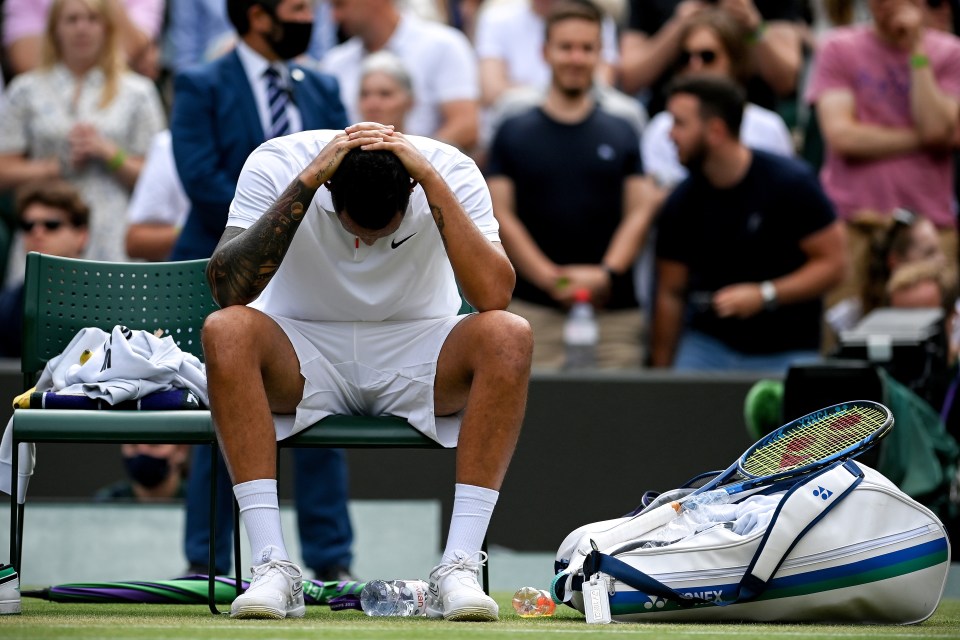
(580, 333)
(394, 598)
(530, 602)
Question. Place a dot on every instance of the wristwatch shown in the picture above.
(769, 294)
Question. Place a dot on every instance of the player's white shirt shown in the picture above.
(439, 59)
(325, 275)
(761, 129)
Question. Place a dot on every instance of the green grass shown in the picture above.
(42, 620)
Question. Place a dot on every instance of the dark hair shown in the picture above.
(56, 194)
(719, 97)
(570, 10)
(239, 12)
(371, 186)
(730, 33)
(888, 236)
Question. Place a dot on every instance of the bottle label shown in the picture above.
(414, 592)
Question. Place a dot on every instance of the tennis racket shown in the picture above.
(796, 449)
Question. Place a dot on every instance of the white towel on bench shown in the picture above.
(122, 365)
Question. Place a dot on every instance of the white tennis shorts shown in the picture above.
(369, 369)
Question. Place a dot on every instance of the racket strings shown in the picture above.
(814, 440)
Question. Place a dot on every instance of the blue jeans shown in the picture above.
(320, 493)
(700, 352)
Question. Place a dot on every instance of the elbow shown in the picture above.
(938, 137)
(496, 299)
(497, 296)
(842, 145)
(632, 81)
(469, 136)
(785, 84)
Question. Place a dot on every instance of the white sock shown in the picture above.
(472, 508)
(260, 515)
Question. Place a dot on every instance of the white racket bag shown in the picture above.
(843, 545)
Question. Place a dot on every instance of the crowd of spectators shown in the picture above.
(110, 96)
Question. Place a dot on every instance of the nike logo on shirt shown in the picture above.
(394, 244)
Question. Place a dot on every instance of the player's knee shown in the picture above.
(227, 331)
(508, 341)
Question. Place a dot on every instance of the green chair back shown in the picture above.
(64, 295)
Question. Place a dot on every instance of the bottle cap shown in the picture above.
(581, 295)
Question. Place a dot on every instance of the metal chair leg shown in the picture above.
(486, 567)
(237, 560)
(16, 512)
(212, 559)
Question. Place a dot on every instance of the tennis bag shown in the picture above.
(843, 545)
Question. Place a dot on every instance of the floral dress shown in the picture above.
(39, 109)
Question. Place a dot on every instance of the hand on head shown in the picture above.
(415, 163)
(325, 165)
(368, 136)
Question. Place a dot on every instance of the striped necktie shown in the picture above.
(277, 101)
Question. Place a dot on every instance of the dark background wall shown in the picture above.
(591, 445)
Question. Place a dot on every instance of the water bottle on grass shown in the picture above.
(394, 598)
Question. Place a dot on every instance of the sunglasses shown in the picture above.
(706, 56)
(49, 225)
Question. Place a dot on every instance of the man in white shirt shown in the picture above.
(337, 276)
(509, 44)
(439, 58)
(158, 205)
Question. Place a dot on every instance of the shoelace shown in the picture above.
(465, 563)
(261, 571)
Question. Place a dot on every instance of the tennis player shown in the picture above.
(337, 276)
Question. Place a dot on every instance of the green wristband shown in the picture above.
(757, 34)
(117, 160)
(919, 61)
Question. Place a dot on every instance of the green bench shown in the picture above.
(64, 295)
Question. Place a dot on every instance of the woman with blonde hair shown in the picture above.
(82, 116)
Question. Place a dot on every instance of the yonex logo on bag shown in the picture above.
(822, 493)
(654, 602)
(708, 596)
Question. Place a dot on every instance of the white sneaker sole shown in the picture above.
(260, 612)
(8, 607)
(471, 614)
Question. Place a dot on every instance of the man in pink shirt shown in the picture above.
(886, 98)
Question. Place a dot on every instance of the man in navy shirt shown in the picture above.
(572, 203)
(746, 246)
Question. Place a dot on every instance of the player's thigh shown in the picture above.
(241, 342)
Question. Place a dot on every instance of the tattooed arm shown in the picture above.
(245, 260)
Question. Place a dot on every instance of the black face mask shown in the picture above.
(295, 39)
(148, 471)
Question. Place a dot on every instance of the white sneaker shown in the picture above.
(276, 591)
(9, 590)
(455, 593)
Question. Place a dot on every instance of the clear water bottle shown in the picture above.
(530, 602)
(580, 333)
(394, 598)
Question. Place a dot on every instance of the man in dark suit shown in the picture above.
(223, 110)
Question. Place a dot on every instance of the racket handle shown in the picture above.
(631, 529)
